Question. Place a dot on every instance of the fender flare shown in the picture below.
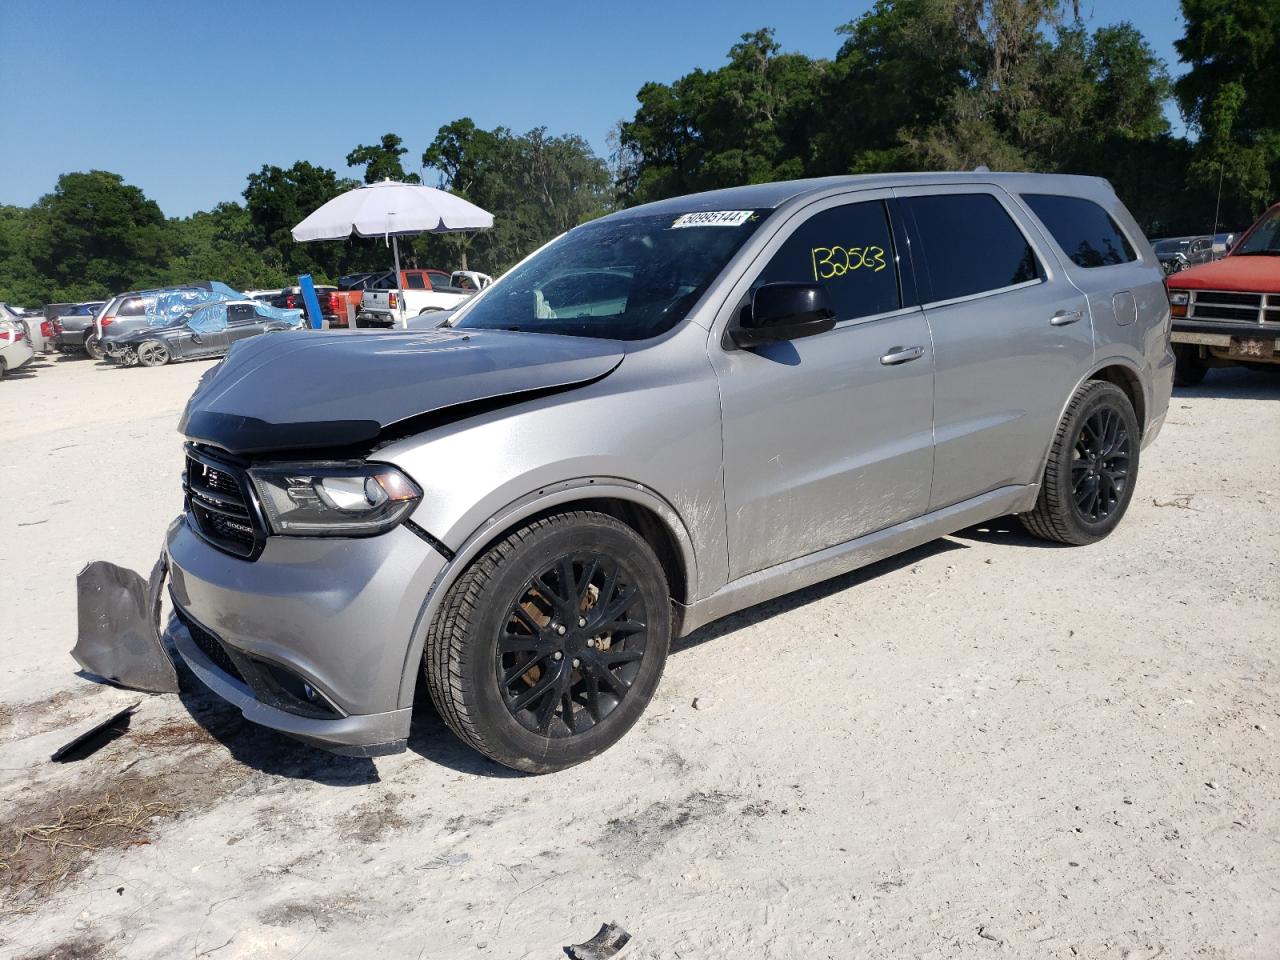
(1112, 360)
(532, 503)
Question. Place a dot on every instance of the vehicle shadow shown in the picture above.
(1235, 383)
(1006, 531)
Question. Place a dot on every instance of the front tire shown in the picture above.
(1189, 367)
(551, 644)
(153, 353)
(1093, 465)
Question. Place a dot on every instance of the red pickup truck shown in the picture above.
(1228, 312)
(351, 288)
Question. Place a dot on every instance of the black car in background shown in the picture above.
(1178, 253)
(208, 331)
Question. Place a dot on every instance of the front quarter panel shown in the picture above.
(653, 424)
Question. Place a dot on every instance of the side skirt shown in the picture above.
(814, 568)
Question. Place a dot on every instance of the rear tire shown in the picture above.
(4, 368)
(551, 644)
(1093, 465)
(1188, 367)
(93, 348)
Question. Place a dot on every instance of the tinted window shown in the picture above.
(414, 281)
(849, 250)
(1085, 231)
(970, 245)
(132, 307)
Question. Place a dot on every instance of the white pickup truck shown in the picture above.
(422, 292)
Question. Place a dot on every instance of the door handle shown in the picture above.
(898, 355)
(1064, 317)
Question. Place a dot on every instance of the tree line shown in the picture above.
(916, 85)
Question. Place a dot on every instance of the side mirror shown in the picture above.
(783, 311)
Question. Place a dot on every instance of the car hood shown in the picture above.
(311, 390)
(1245, 274)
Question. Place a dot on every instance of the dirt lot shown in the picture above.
(985, 747)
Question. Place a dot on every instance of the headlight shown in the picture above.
(1179, 298)
(313, 500)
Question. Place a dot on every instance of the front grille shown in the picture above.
(1233, 306)
(218, 501)
(209, 646)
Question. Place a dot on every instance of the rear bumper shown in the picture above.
(17, 354)
(335, 615)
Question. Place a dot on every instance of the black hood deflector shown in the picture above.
(312, 391)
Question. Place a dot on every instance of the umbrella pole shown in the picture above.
(395, 246)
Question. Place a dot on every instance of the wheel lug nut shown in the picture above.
(557, 655)
(575, 661)
(562, 629)
(582, 621)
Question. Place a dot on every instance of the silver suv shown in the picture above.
(663, 416)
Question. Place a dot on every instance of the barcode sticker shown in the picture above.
(713, 218)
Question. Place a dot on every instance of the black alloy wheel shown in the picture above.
(1100, 467)
(1089, 477)
(570, 650)
(551, 643)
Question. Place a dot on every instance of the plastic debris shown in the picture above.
(610, 939)
(96, 737)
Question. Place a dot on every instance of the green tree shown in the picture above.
(537, 185)
(382, 161)
(1230, 97)
(94, 235)
(278, 199)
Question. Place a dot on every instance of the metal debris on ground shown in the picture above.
(96, 737)
(609, 939)
(119, 637)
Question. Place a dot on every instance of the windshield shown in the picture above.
(1264, 239)
(625, 279)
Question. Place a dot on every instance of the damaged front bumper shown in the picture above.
(311, 638)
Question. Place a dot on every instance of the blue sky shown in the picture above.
(185, 99)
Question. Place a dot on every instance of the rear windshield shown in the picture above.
(618, 279)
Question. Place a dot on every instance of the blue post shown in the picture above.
(309, 298)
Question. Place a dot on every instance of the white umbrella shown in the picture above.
(392, 209)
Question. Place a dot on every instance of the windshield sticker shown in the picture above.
(829, 262)
(714, 218)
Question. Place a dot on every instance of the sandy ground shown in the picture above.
(985, 747)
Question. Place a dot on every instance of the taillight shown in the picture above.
(107, 321)
(291, 301)
(391, 300)
(46, 329)
(333, 301)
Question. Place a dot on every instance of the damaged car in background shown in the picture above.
(207, 331)
(664, 416)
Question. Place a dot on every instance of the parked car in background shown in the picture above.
(15, 346)
(1228, 312)
(140, 309)
(208, 331)
(263, 295)
(70, 323)
(1178, 253)
(18, 316)
(503, 509)
(423, 291)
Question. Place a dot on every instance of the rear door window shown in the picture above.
(970, 244)
(847, 249)
(1085, 231)
(413, 281)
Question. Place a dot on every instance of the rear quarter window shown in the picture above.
(1085, 231)
(133, 307)
(971, 245)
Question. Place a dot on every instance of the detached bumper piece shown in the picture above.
(118, 616)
